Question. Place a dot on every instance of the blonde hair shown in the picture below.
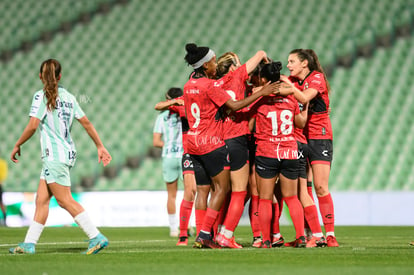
(224, 63)
(50, 72)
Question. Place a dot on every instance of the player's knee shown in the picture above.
(321, 191)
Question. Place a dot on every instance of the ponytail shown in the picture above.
(224, 63)
(50, 72)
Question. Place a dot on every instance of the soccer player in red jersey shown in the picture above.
(276, 154)
(310, 211)
(233, 75)
(304, 65)
(203, 96)
(253, 193)
(176, 105)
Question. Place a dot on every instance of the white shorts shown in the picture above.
(53, 171)
(172, 169)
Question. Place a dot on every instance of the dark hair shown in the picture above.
(173, 93)
(313, 62)
(195, 54)
(271, 71)
(50, 71)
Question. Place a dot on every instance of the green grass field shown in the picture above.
(145, 250)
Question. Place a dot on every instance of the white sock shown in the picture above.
(34, 232)
(228, 234)
(317, 235)
(276, 236)
(86, 224)
(221, 228)
(331, 233)
(172, 219)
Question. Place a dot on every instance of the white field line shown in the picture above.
(110, 242)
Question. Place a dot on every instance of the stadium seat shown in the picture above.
(124, 61)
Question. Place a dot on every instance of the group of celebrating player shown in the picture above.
(251, 133)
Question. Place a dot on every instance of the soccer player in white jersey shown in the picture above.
(167, 135)
(53, 110)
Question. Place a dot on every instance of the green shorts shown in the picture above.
(171, 169)
(53, 171)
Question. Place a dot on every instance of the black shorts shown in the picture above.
(303, 153)
(270, 167)
(238, 152)
(251, 143)
(209, 165)
(320, 151)
(187, 164)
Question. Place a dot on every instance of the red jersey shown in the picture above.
(319, 123)
(234, 83)
(202, 99)
(180, 110)
(275, 118)
(298, 133)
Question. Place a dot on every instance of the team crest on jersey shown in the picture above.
(218, 83)
(306, 85)
(187, 163)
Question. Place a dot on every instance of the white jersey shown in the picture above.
(55, 126)
(169, 125)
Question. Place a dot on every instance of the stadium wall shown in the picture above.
(148, 208)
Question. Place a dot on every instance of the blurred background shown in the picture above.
(119, 57)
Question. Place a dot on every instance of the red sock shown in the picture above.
(275, 219)
(209, 219)
(254, 215)
(235, 210)
(185, 213)
(296, 213)
(311, 216)
(199, 217)
(310, 192)
(265, 218)
(327, 212)
(221, 215)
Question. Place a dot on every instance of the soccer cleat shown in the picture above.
(300, 242)
(210, 244)
(278, 242)
(290, 244)
(412, 243)
(218, 238)
(197, 243)
(316, 242)
(266, 244)
(205, 243)
(226, 242)
(331, 241)
(257, 242)
(182, 241)
(97, 244)
(23, 248)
